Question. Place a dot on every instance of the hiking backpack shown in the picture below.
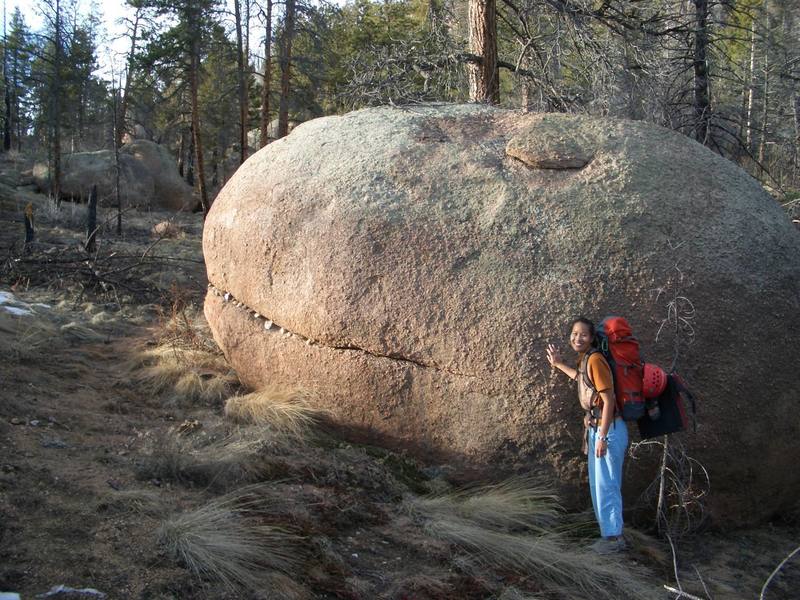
(621, 350)
(656, 415)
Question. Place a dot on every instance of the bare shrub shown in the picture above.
(224, 540)
(680, 489)
(287, 410)
(512, 526)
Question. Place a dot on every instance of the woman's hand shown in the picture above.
(553, 355)
(600, 448)
(555, 360)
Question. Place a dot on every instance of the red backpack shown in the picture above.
(621, 350)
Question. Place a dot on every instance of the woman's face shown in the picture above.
(581, 337)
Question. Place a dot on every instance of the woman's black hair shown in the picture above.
(588, 323)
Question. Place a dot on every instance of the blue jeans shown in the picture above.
(605, 478)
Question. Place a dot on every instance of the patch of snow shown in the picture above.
(15, 306)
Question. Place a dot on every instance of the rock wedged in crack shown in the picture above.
(552, 142)
(422, 263)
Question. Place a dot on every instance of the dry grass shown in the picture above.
(518, 503)
(184, 367)
(143, 502)
(183, 376)
(224, 541)
(241, 458)
(512, 526)
(286, 410)
(25, 337)
(512, 593)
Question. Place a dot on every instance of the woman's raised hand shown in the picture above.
(553, 355)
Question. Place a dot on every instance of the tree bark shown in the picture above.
(267, 76)
(702, 106)
(286, 65)
(91, 221)
(241, 82)
(57, 60)
(484, 80)
(750, 90)
(194, 75)
(762, 141)
(7, 95)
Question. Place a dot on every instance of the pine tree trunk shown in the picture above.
(762, 142)
(701, 96)
(796, 153)
(286, 66)
(194, 75)
(240, 76)
(750, 91)
(484, 80)
(7, 95)
(196, 140)
(56, 124)
(267, 76)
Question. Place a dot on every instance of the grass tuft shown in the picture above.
(513, 526)
(143, 502)
(223, 540)
(286, 410)
(183, 375)
(241, 458)
(517, 503)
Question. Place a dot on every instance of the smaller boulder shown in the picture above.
(148, 175)
(166, 229)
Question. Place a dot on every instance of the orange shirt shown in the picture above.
(599, 374)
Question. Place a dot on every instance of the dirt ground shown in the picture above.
(83, 498)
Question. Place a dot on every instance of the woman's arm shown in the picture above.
(554, 358)
(606, 421)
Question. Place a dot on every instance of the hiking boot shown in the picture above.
(609, 545)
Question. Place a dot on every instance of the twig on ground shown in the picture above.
(776, 571)
(682, 594)
(702, 581)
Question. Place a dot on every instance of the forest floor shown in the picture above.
(120, 470)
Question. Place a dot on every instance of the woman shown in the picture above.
(606, 436)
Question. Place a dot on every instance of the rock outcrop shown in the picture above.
(410, 267)
(148, 177)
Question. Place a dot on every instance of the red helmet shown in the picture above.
(654, 381)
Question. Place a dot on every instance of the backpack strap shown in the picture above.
(585, 369)
(590, 384)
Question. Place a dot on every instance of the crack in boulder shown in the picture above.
(269, 325)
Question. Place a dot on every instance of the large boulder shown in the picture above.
(148, 177)
(415, 264)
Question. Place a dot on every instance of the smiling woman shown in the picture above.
(606, 436)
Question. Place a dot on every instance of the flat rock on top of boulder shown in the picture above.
(431, 254)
